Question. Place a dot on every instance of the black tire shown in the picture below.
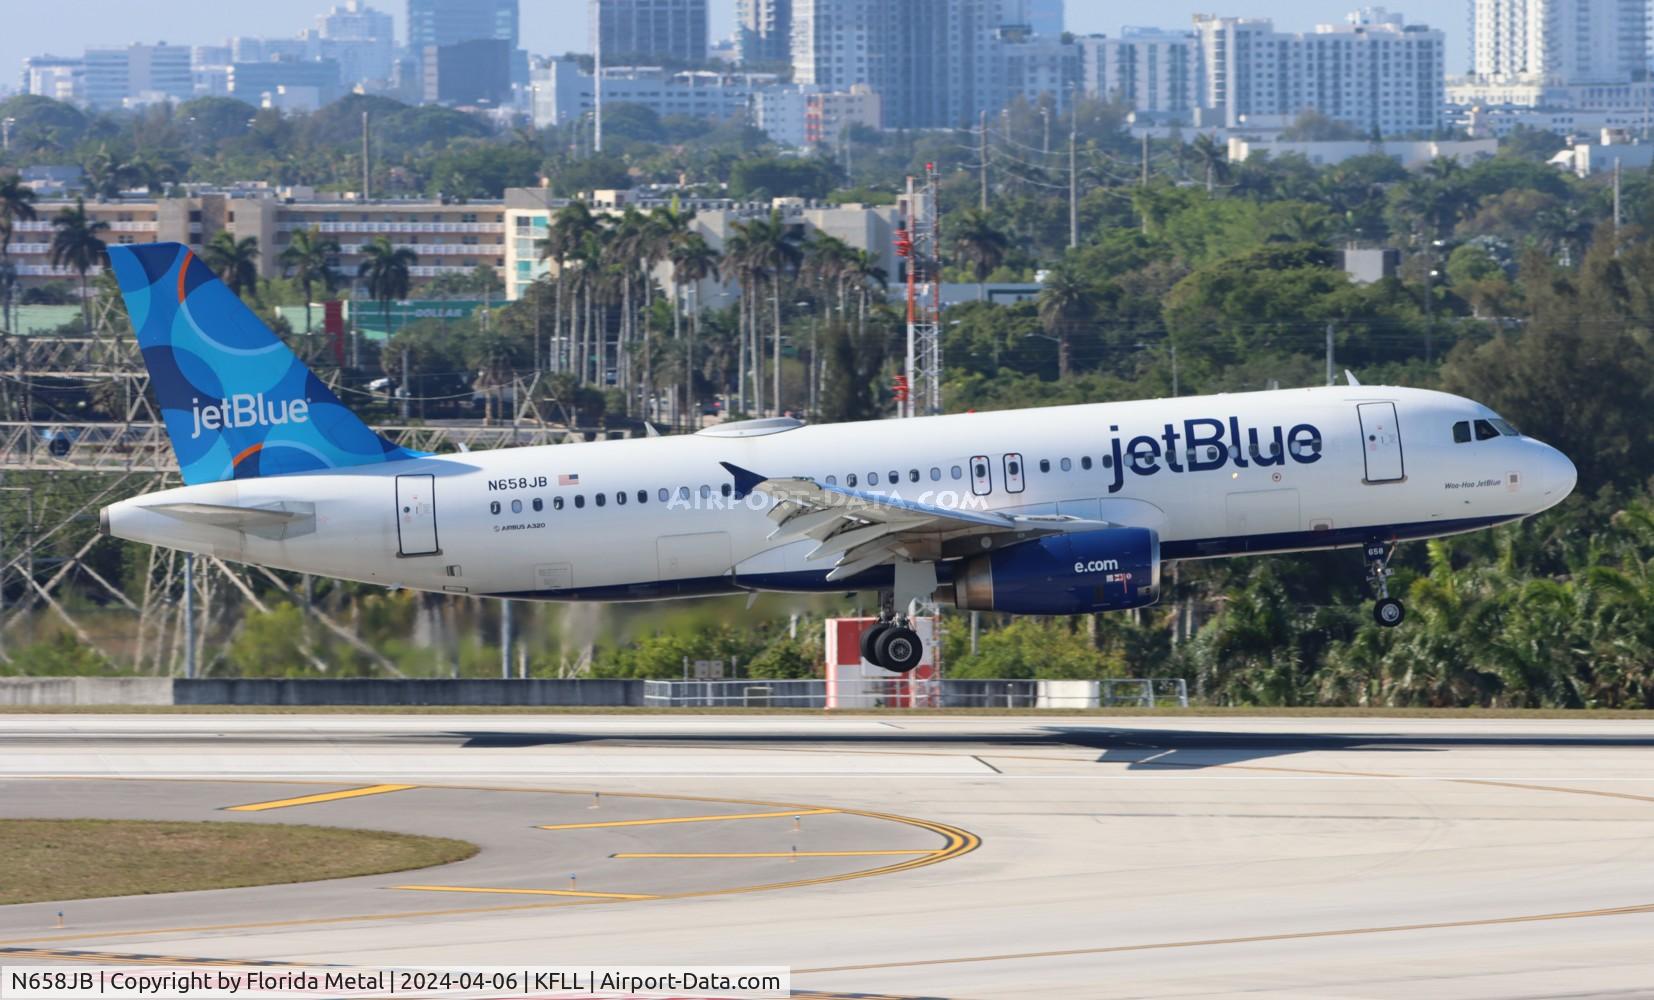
(899, 649)
(869, 641)
(1389, 613)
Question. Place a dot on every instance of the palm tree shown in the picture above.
(388, 271)
(76, 244)
(1214, 159)
(773, 250)
(693, 261)
(234, 261)
(979, 244)
(16, 205)
(1065, 301)
(569, 230)
(307, 259)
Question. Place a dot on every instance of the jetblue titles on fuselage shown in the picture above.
(1208, 444)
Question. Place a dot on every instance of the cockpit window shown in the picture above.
(1505, 428)
(1485, 431)
(1461, 432)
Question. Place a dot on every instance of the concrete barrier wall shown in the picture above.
(85, 691)
(232, 691)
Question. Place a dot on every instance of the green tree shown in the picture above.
(388, 271)
(76, 244)
(1066, 301)
(234, 261)
(308, 260)
(16, 205)
(978, 243)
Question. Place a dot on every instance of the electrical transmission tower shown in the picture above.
(918, 243)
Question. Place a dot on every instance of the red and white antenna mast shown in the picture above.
(919, 243)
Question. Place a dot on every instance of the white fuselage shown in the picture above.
(529, 522)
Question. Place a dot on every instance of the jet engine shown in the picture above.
(1114, 569)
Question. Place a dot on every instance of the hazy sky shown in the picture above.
(65, 27)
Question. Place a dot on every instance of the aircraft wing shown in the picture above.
(862, 530)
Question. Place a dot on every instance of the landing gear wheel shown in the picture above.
(1389, 613)
(899, 649)
(870, 641)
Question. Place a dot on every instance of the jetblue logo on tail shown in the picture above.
(237, 403)
(246, 409)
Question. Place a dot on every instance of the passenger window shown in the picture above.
(580, 500)
(663, 494)
(726, 489)
(981, 470)
(895, 477)
(494, 507)
(706, 491)
(642, 496)
(620, 497)
(1211, 453)
(601, 500)
(1085, 462)
(1013, 468)
(1108, 461)
(1485, 431)
(935, 474)
(539, 505)
(872, 479)
(1461, 432)
(1045, 465)
(1067, 465)
(850, 480)
(913, 475)
(683, 493)
(516, 506)
(556, 503)
(958, 473)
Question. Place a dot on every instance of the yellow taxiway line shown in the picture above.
(779, 854)
(306, 800)
(524, 892)
(790, 813)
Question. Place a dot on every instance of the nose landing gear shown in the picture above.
(1388, 612)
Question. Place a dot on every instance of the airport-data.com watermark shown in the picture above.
(116, 982)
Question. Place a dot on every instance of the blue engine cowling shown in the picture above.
(1114, 569)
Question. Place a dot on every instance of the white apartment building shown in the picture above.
(1558, 41)
(1375, 73)
(1150, 69)
(559, 92)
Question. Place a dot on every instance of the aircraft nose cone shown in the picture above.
(1559, 475)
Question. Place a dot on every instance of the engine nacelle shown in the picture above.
(1114, 569)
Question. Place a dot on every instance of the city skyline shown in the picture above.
(548, 26)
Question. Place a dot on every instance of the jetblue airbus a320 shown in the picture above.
(1066, 510)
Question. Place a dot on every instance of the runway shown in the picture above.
(957, 857)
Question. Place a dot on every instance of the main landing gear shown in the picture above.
(1388, 612)
(891, 644)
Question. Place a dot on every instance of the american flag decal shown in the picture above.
(567, 480)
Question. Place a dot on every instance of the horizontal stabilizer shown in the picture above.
(234, 518)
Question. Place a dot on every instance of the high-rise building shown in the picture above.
(115, 76)
(932, 62)
(1558, 41)
(449, 22)
(641, 31)
(1376, 73)
(361, 38)
(1147, 69)
(59, 78)
(763, 31)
